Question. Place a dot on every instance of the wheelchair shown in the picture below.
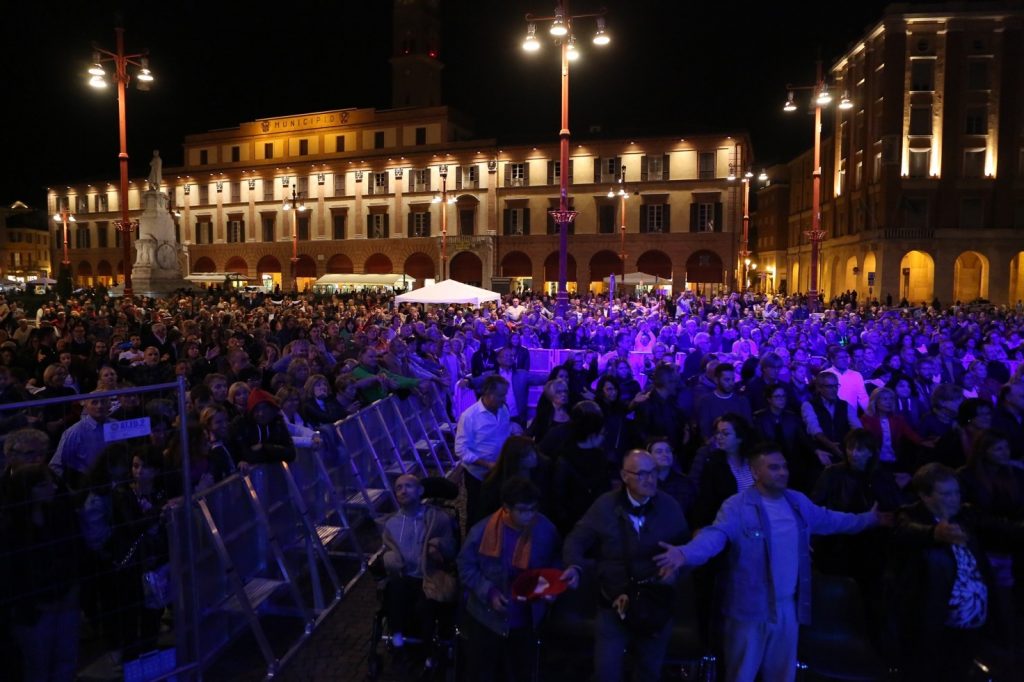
(438, 645)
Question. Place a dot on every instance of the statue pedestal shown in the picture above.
(158, 255)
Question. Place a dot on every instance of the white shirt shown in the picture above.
(479, 437)
(851, 387)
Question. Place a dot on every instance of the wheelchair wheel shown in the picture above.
(374, 660)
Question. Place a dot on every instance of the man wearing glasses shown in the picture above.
(623, 530)
(827, 420)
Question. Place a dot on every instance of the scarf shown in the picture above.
(492, 540)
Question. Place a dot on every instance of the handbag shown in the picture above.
(156, 587)
(650, 600)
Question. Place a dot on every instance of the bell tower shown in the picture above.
(416, 54)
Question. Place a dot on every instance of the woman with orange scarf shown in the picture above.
(497, 550)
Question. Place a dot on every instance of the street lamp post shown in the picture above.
(621, 194)
(121, 62)
(444, 201)
(744, 253)
(822, 98)
(65, 216)
(295, 205)
(561, 29)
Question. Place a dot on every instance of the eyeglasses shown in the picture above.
(644, 473)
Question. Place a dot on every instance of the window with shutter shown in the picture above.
(378, 226)
(268, 228)
(268, 150)
(236, 154)
(653, 168)
(236, 231)
(338, 225)
(339, 184)
(419, 180)
(516, 175)
(102, 235)
(379, 184)
(467, 177)
(419, 224)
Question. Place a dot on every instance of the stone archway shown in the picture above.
(340, 264)
(917, 277)
(420, 267)
(551, 269)
(237, 264)
(655, 263)
(970, 277)
(204, 264)
(378, 264)
(603, 264)
(850, 272)
(516, 264)
(305, 266)
(704, 267)
(466, 267)
(1017, 278)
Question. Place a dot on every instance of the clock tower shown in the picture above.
(416, 54)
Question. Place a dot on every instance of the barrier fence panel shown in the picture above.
(86, 578)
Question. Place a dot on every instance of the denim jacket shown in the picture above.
(742, 523)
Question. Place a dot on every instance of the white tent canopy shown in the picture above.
(638, 278)
(352, 280)
(448, 291)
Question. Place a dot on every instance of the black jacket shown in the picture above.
(922, 570)
(580, 477)
(274, 440)
(598, 539)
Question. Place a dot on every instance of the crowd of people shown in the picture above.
(742, 423)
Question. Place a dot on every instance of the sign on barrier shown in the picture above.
(129, 428)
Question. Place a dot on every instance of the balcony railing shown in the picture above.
(909, 233)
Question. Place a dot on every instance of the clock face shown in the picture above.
(166, 257)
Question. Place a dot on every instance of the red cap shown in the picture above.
(259, 396)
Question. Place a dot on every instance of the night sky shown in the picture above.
(674, 67)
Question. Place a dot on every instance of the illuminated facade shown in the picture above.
(368, 179)
(24, 244)
(923, 180)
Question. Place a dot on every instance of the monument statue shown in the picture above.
(155, 171)
(157, 270)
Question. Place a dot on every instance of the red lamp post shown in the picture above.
(65, 216)
(561, 29)
(121, 62)
(295, 205)
(444, 201)
(816, 235)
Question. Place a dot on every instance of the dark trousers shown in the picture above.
(492, 657)
(613, 641)
(408, 609)
(473, 488)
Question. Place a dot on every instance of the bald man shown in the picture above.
(630, 523)
(418, 542)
